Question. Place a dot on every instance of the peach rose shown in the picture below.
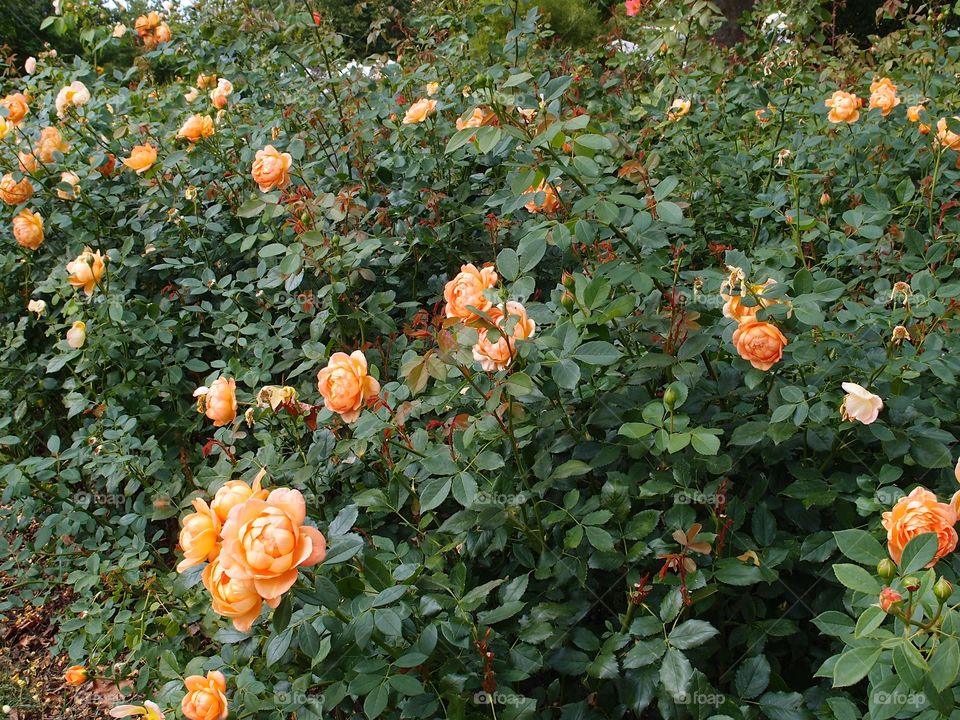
(229, 598)
(71, 179)
(419, 111)
(221, 92)
(86, 270)
(75, 675)
(883, 84)
(466, 290)
(271, 169)
(147, 711)
(162, 33)
(17, 107)
(198, 536)
(885, 99)
(913, 113)
(27, 161)
(917, 513)
(206, 81)
(5, 127)
(221, 401)
(205, 698)
(28, 229)
(947, 137)
(678, 109)
(236, 492)
(50, 142)
(145, 24)
(498, 355)
(266, 541)
(77, 335)
(196, 128)
(845, 107)
(73, 95)
(432, 88)
(476, 119)
(550, 200)
(142, 158)
(345, 385)
(860, 404)
(759, 343)
(13, 192)
(888, 598)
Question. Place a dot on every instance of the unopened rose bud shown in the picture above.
(911, 583)
(888, 598)
(75, 675)
(942, 590)
(670, 397)
(567, 301)
(886, 569)
(824, 199)
(568, 282)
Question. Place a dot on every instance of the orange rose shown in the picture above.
(466, 290)
(71, 179)
(888, 598)
(477, 119)
(947, 137)
(885, 99)
(75, 675)
(15, 193)
(236, 492)
(220, 400)
(498, 355)
(205, 698)
(50, 142)
(86, 270)
(734, 308)
(220, 93)
(759, 343)
(229, 598)
(162, 33)
(145, 24)
(917, 513)
(419, 111)
(271, 169)
(198, 536)
(17, 107)
(345, 385)
(107, 166)
(678, 109)
(206, 81)
(28, 229)
(27, 161)
(196, 128)
(142, 158)
(266, 541)
(913, 113)
(550, 200)
(845, 107)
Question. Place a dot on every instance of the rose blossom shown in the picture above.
(419, 111)
(759, 343)
(917, 513)
(86, 270)
(498, 355)
(198, 536)
(231, 598)
(206, 697)
(860, 404)
(346, 386)
(271, 169)
(142, 158)
(844, 107)
(28, 229)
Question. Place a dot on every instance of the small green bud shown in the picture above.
(942, 590)
(670, 397)
(886, 569)
(911, 583)
(567, 301)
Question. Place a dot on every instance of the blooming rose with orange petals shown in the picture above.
(844, 107)
(142, 158)
(475, 120)
(86, 270)
(206, 697)
(947, 137)
(497, 355)
(219, 401)
(50, 142)
(917, 513)
(198, 536)
(759, 343)
(466, 290)
(913, 113)
(13, 192)
(147, 711)
(345, 385)
(266, 541)
(27, 161)
(236, 492)
(419, 111)
(550, 199)
(162, 33)
(231, 598)
(271, 169)
(17, 107)
(196, 128)
(860, 404)
(678, 109)
(146, 24)
(888, 598)
(206, 81)
(75, 675)
(883, 95)
(28, 229)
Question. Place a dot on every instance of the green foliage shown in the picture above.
(623, 517)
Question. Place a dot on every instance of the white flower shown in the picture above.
(77, 335)
(860, 404)
(37, 306)
(192, 95)
(73, 95)
(30, 65)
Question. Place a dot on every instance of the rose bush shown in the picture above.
(506, 381)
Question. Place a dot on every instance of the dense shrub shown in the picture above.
(541, 363)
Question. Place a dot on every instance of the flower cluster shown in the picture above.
(152, 30)
(757, 341)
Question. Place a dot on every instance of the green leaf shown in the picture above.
(277, 645)
(753, 676)
(433, 492)
(691, 633)
(860, 546)
(854, 664)
(508, 263)
(676, 673)
(930, 453)
(918, 553)
(597, 352)
(251, 208)
(945, 664)
(856, 578)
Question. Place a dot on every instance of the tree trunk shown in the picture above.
(730, 32)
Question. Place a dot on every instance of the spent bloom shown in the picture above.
(148, 711)
(678, 109)
(37, 306)
(73, 95)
